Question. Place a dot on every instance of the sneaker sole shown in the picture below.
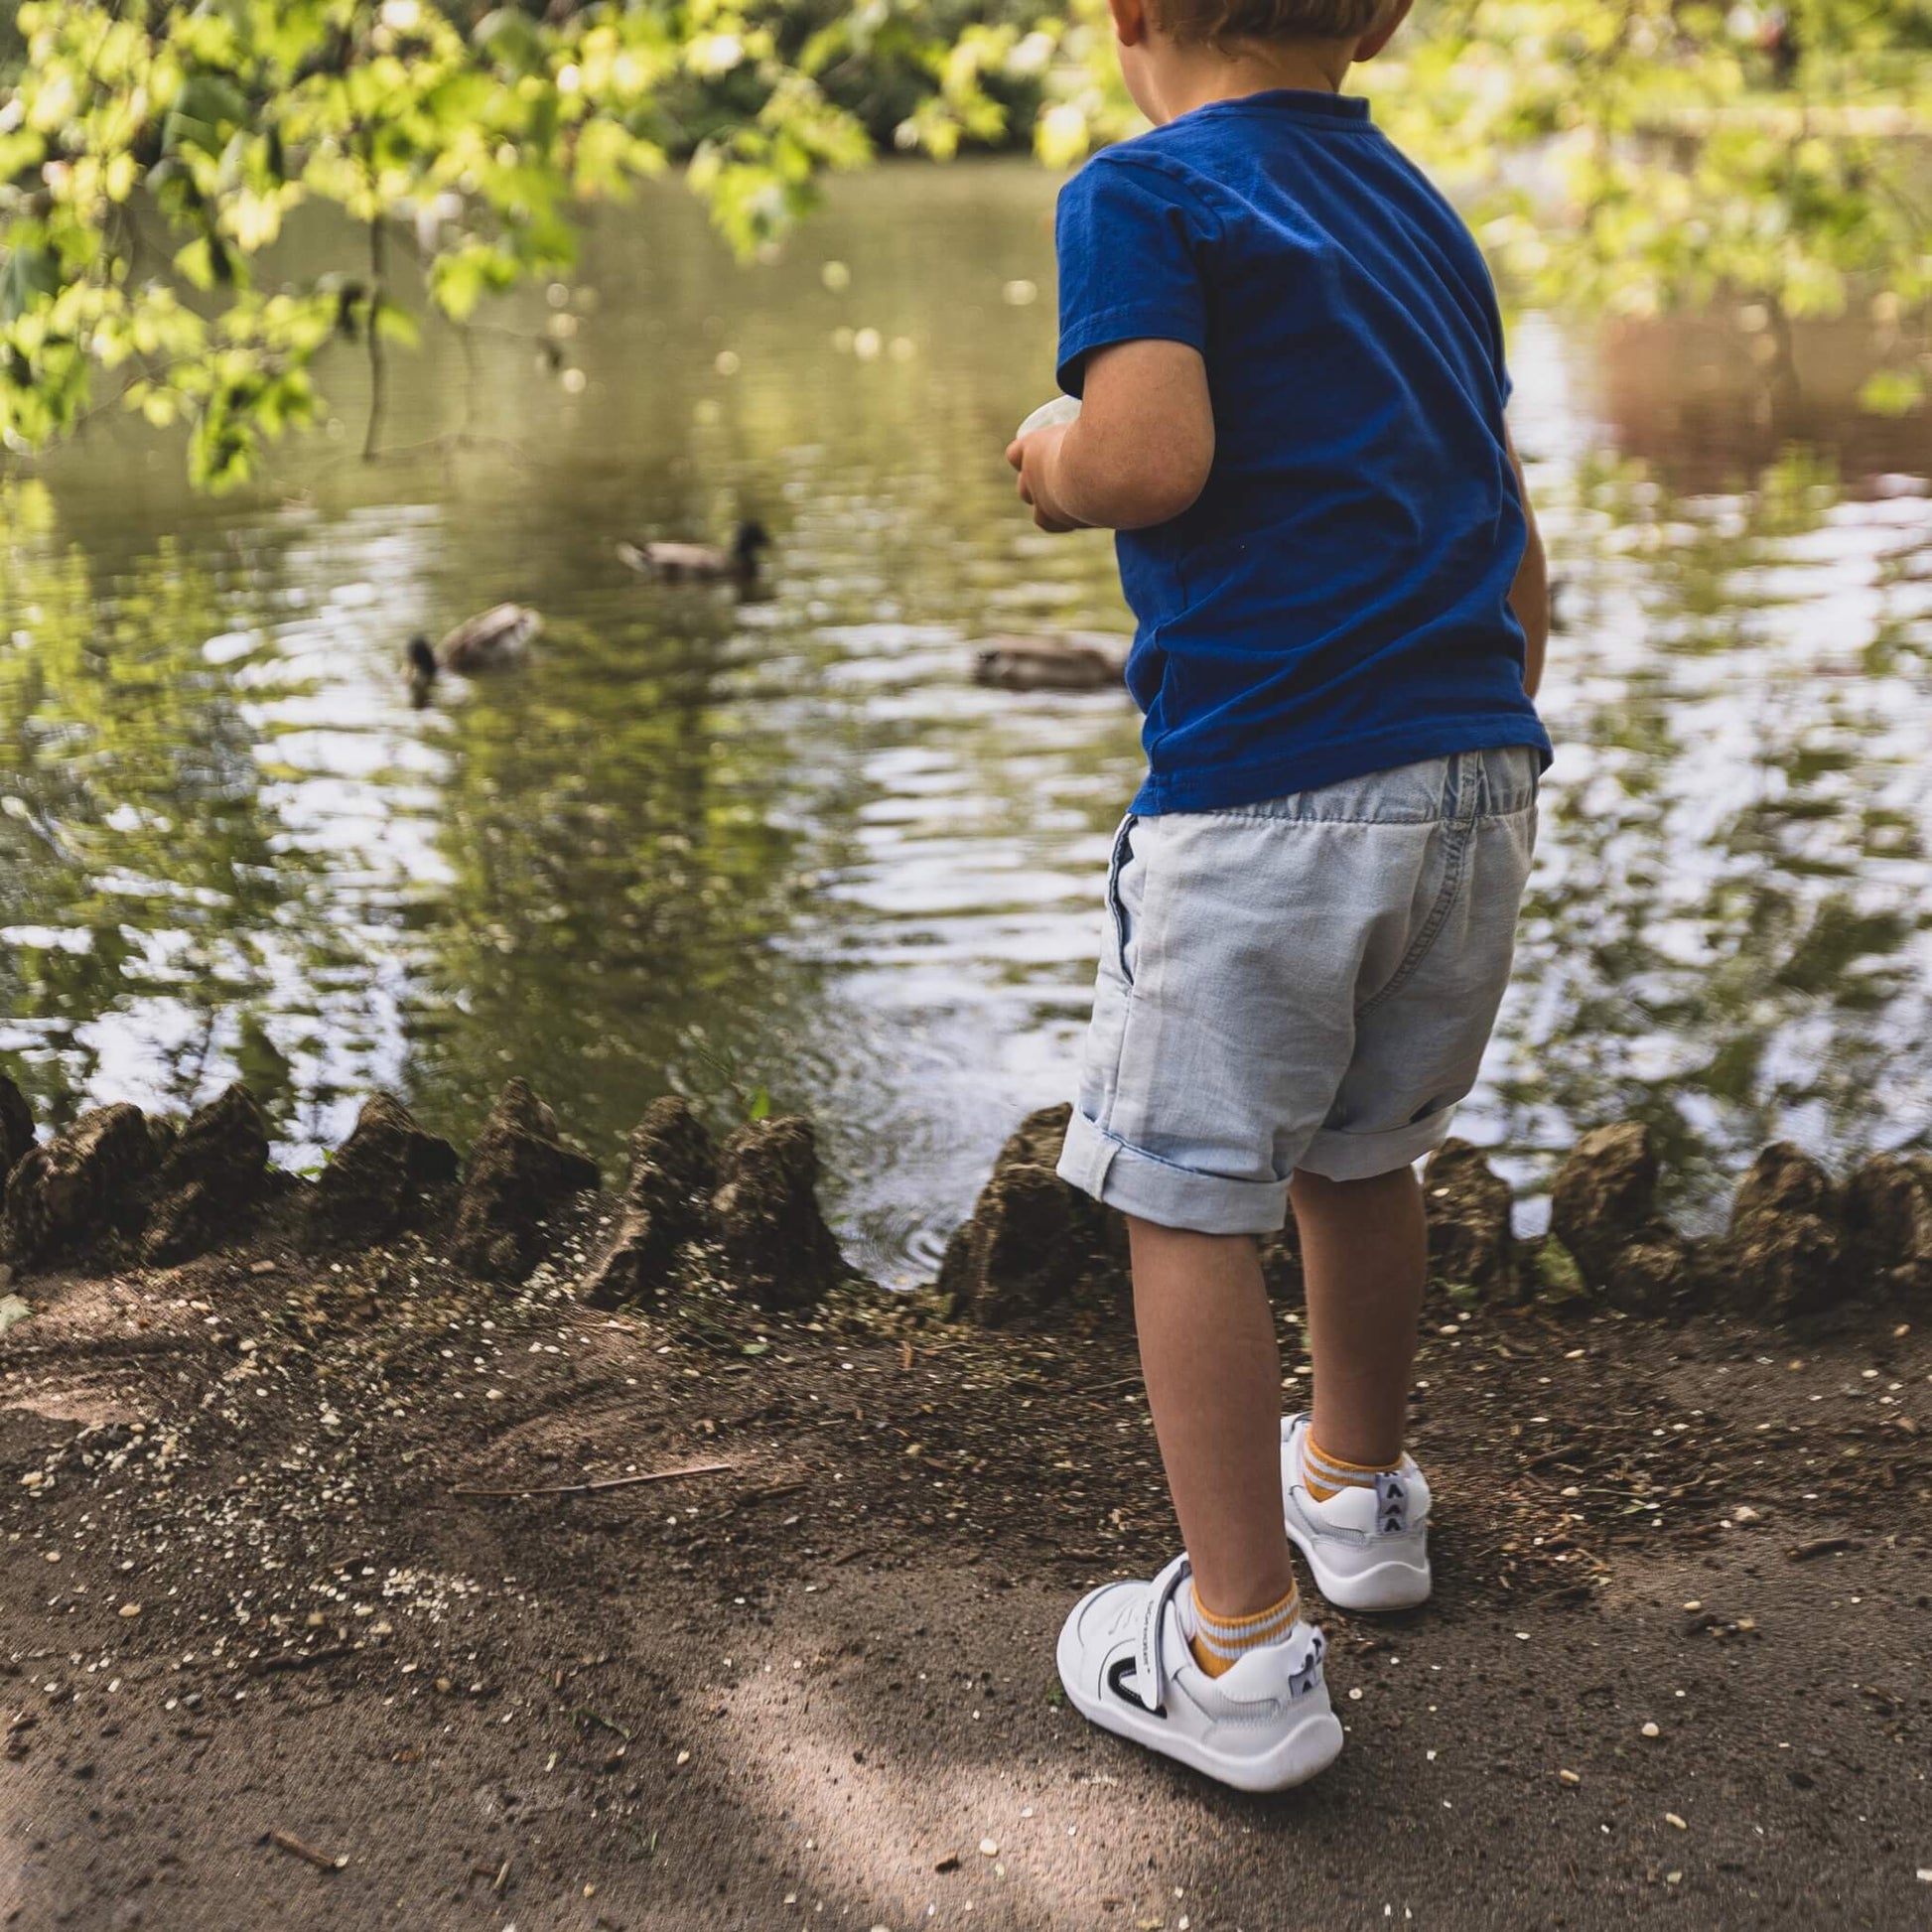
(1311, 1746)
(1392, 1585)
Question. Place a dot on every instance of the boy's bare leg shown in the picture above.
(1214, 1386)
(1364, 1261)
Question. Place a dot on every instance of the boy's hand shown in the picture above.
(1036, 457)
(1138, 454)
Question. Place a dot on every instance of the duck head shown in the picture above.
(422, 667)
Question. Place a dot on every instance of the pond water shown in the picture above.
(783, 849)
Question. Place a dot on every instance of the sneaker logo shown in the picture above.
(1303, 1681)
(1122, 1669)
(1391, 1503)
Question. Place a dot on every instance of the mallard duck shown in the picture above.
(485, 643)
(699, 563)
(1047, 664)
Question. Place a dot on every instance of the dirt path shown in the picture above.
(816, 1688)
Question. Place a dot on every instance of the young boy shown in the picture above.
(1290, 364)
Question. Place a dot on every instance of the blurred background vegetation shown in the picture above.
(780, 843)
(1636, 156)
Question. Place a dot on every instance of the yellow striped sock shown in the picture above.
(1326, 1476)
(1219, 1642)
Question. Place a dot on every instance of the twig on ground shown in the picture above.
(606, 1482)
(322, 1860)
(1822, 1546)
(302, 1659)
(768, 1495)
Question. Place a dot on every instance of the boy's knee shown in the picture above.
(1155, 1235)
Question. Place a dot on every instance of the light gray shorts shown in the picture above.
(1305, 983)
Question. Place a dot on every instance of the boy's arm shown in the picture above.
(1529, 595)
(1139, 452)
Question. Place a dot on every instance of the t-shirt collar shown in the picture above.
(1310, 103)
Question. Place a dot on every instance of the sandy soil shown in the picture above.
(244, 1596)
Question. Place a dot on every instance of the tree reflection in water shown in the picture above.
(727, 847)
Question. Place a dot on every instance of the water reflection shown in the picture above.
(784, 844)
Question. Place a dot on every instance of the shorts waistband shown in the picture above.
(1464, 786)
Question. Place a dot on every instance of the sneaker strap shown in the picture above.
(1149, 1667)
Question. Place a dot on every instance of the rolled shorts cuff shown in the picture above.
(1171, 1196)
(1339, 1155)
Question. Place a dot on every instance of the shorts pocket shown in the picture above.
(1120, 910)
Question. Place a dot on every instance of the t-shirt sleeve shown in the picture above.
(1130, 240)
(1505, 383)
(1492, 317)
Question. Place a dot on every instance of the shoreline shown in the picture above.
(729, 1604)
(121, 1188)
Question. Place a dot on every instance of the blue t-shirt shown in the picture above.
(1336, 601)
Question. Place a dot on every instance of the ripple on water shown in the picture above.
(785, 847)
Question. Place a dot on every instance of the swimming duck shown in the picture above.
(700, 563)
(488, 641)
(1047, 664)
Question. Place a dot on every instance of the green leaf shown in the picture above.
(512, 39)
(209, 108)
(397, 325)
(760, 1107)
(1892, 392)
(28, 276)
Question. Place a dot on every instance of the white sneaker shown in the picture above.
(1367, 1547)
(1262, 1726)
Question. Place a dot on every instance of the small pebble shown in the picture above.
(1694, 1603)
(1568, 1777)
(1671, 1818)
(1745, 1515)
(988, 1848)
(684, 1757)
(1653, 1731)
(130, 1609)
(1673, 1877)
